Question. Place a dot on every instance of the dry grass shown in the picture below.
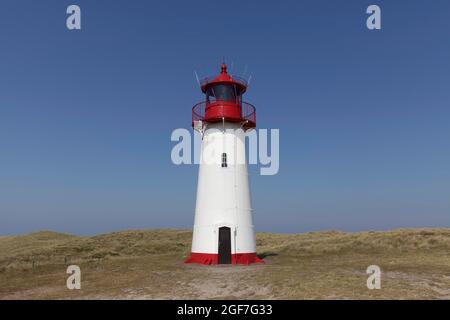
(148, 264)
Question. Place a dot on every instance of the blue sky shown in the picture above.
(86, 116)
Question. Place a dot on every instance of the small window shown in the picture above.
(224, 160)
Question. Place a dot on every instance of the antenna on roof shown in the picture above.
(249, 79)
(223, 59)
(196, 77)
(245, 70)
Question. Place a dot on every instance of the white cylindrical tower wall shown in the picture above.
(223, 194)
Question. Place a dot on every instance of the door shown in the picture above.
(224, 245)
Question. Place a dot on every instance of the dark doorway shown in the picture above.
(224, 245)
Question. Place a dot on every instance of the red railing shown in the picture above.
(248, 113)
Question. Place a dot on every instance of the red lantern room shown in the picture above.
(223, 101)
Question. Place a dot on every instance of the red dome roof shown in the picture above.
(222, 78)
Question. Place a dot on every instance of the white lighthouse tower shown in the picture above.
(223, 227)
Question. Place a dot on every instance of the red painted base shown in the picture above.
(212, 258)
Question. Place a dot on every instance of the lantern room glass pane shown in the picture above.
(223, 92)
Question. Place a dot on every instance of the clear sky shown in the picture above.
(86, 116)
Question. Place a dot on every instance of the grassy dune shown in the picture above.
(148, 264)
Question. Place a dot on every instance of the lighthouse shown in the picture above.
(223, 225)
